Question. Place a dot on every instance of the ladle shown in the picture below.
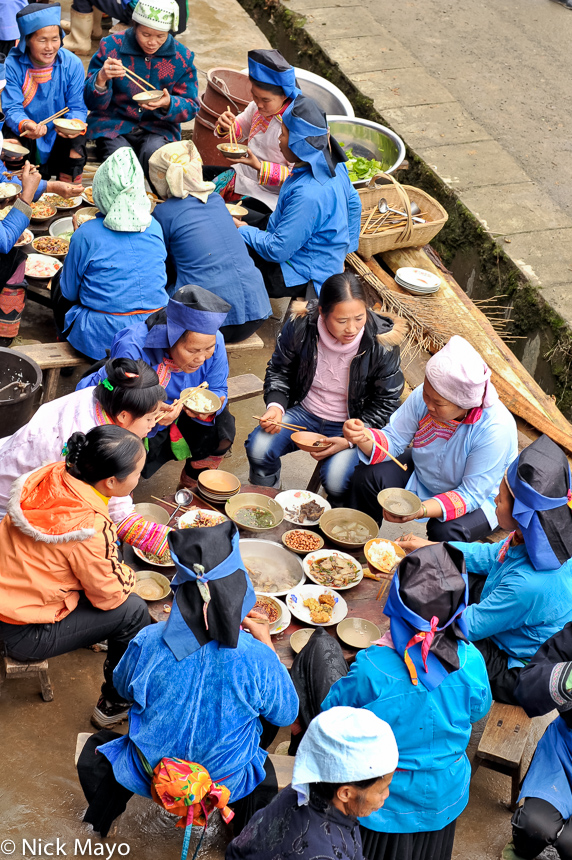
(183, 498)
(415, 210)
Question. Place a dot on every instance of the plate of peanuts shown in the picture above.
(302, 541)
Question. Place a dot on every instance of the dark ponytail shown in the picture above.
(106, 451)
(130, 385)
(341, 288)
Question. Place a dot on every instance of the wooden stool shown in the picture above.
(10, 668)
(244, 386)
(52, 357)
(502, 744)
(283, 765)
(315, 481)
(252, 342)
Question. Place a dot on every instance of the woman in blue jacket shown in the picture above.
(425, 669)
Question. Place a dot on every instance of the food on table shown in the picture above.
(66, 236)
(302, 541)
(203, 520)
(383, 555)
(83, 217)
(61, 202)
(51, 245)
(88, 194)
(39, 269)
(268, 608)
(199, 402)
(361, 168)
(269, 576)
(252, 515)
(43, 210)
(351, 533)
(148, 589)
(309, 511)
(321, 609)
(334, 571)
(9, 189)
(156, 559)
(4, 212)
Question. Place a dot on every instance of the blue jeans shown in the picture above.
(265, 449)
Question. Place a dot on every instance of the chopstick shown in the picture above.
(49, 119)
(280, 423)
(231, 131)
(383, 589)
(391, 457)
(189, 394)
(135, 78)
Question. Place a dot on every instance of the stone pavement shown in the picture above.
(482, 93)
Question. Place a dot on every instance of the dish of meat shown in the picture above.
(333, 568)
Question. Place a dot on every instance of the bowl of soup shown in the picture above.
(254, 512)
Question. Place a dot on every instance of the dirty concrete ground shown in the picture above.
(40, 798)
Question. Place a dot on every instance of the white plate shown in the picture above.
(52, 265)
(419, 278)
(191, 516)
(295, 603)
(144, 558)
(326, 553)
(29, 237)
(294, 498)
(86, 198)
(48, 196)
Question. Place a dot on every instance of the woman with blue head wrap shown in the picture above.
(317, 218)
(42, 77)
(521, 590)
(258, 177)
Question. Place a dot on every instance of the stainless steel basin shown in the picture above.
(369, 140)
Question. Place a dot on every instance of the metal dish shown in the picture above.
(340, 517)
(279, 564)
(358, 632)
(152, 513)
(257, 500)
(370, 140)
(151, 586)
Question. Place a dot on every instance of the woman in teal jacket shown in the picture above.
(430, 684)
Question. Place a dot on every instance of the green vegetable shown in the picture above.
(360, 168)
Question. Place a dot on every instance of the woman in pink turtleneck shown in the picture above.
(334, 359)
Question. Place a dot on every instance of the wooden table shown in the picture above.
(361, 600)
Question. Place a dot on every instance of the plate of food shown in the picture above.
(333, 568)
(41, 266)
(302, 541)
(61, 202)
(87, 195)
(278, 614)
(151, 558)
(272, 568)
(302, 507)
(314, 604)
(53, 246)
(200, 519)
(254, 512)
(42, 210)
(147, 96)
(25, 239)
(383, 555)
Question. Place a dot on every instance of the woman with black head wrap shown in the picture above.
(521, 590)
(430, 684)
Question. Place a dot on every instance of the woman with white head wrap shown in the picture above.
(456, 439)
(343, 770)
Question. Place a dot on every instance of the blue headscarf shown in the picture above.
(212, 590)
(428, 595)
(540, 481)
(34, 17)
(270, 67)
(308, 138)
(192, 308)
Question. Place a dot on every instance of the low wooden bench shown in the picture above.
(51, 357)
(244, 386)
(10, 668)
(502, 744)
(252, 342)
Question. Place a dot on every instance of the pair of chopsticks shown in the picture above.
(189, 393)
(280, 423)
(137, 80)
(231, 131)
(49, 119)
(194, 495)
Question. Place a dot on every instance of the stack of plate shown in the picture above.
(216, 486)
(417, 281)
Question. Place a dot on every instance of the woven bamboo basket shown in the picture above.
(412, 235)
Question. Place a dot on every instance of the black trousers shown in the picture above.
(204, 441)
(537, 824)
(274, 279)
(86, 625)
(143, 143)
(502, 679)
(236, 333)
(368, 481)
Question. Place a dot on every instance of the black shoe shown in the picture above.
(106, 714)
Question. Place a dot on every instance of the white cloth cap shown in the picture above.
(344, 745)
(458, 373)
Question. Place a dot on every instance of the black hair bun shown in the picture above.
(123, 372)
(75, 445)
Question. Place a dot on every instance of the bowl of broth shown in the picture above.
(254, 512)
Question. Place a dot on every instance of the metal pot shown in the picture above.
(370, 140)
(19, 401)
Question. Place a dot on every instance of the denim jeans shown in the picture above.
(265, 449)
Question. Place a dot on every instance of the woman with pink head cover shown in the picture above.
(456, 440)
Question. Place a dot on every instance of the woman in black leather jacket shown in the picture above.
(334, 359)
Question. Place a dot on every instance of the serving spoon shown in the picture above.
(183, 498)
(415, 210)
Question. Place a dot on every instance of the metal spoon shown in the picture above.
(183, 498)
(415, 210)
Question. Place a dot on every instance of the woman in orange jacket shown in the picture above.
(60, 566)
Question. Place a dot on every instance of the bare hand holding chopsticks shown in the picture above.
(356, 432)
(271, 421)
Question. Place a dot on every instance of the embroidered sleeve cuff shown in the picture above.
(380, 442)
(146, 536)
(272, 174)
(21, 125)
(561, 686)
(23, 207)
(452, 504)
